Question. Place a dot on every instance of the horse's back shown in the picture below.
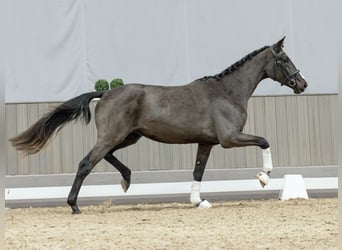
(176, 114)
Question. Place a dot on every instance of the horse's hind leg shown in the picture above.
(84, 168)
(203, 153)
(124, 171)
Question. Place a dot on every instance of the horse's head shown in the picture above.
(281, 69)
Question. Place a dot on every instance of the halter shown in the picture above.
(288, 74)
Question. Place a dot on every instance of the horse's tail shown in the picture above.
(38, 135)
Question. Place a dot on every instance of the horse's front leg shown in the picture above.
(242, 140)
(264, 175)
(203, 153)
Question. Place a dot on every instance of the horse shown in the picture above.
(209, 111)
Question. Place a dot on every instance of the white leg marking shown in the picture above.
(195, 198)
(267, 167)
(267, 160)
(204, 205)
(263, 178)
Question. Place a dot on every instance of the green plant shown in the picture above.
(101, 85)
(116, 82)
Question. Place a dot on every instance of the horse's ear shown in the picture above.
(279, 45)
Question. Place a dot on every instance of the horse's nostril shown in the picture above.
(305, 85)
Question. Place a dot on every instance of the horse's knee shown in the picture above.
(263, 144)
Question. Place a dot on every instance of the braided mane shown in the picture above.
(236, 65)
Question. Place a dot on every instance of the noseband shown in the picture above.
(288, 74)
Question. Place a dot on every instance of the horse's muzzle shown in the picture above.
(298, 87)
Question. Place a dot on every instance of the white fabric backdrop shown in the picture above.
(58, 49)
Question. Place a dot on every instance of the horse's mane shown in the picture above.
(236, 65)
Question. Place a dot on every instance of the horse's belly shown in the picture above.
(177, 135)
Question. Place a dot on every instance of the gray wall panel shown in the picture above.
(300, 130)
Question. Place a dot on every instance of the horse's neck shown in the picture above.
(242, 82)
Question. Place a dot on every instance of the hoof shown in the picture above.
(263, 178)
(124, 185)
(75, 211)
(204, 204)
(73, 205)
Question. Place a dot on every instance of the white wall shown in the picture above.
(58, 49)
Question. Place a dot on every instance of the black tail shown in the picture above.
(37, 136)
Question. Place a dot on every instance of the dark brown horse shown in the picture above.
(207, 111)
